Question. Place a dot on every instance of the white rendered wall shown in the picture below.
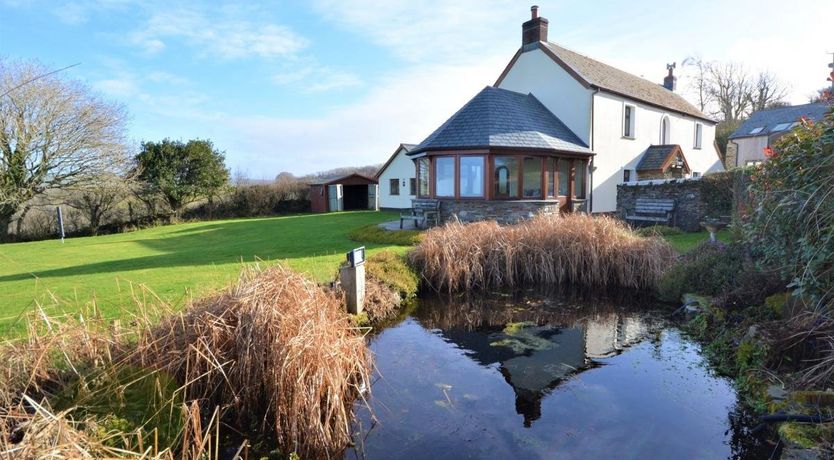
(535, 72)
(751, 149)
(614, 153)
(402, 168)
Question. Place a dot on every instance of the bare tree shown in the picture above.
(54, 134)
(766, 92)
(98, 199)
(731, 88)
(700, 82)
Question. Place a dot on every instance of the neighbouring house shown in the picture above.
(746, 145)
(397, 179)
(559, 131)
(347, 193)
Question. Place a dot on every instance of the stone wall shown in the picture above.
(689, 208)
(505, 212)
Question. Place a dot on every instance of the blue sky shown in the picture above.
(307, 86)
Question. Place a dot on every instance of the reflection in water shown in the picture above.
(535, 377)
(537, 342)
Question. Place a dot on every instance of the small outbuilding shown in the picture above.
(353, 192)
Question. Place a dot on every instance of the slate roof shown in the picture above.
(600, 75)
(502, 118)
(655, 156)
(768, 119)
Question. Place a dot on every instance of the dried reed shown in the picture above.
(574, 249)
(275, 349)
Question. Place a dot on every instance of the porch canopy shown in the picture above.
(503, 145)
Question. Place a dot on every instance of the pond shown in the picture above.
(546, 376)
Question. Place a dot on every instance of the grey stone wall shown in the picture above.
(504, 212)
(689, 209)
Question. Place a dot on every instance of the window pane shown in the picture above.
(471, 176)
(394, 186)
(580, 179)
(445, 171)
(698, 135)
(425, 176)
(564, 175)
(412, 186)
(532, 183)
(551, 169)
(506, 177)
(627, 121)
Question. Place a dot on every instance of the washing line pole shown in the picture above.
(60, 224)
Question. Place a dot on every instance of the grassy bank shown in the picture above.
(177, 262)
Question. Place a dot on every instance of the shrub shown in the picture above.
(792, 222)
(373, 233)
(576, 249)
(724, 271)
(658, 230)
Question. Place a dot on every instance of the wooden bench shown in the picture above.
(655, 210)
(425, 211)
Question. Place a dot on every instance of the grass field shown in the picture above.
(175, 262)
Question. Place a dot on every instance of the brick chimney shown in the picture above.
(670, 82)
(534, 30)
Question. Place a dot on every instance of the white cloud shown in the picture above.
(165, 77)
(315, 78)
(218, 35)
(435, 30)
(406, 106)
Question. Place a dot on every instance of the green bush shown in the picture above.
(708, 269)
(391, 269)
(373, 233)
(658, 230)
(725, 272)
(792, 220)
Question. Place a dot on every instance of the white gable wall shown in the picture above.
(614, 153)
(401, 168)
(535, 72)
(751, 149)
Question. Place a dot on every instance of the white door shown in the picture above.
(373, 197)
(335, 198)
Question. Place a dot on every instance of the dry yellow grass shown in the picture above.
(575, 249)
(276, 349)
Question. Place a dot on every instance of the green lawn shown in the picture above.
(175, 261)
(686, 241)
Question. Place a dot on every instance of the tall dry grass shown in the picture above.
(274, 352)
(276, 349)
(573, 249)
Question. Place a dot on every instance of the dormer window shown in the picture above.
(628, 121)
(757, 130)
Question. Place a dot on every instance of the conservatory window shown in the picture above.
(445, 176)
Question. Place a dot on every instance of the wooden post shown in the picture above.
(353, 282)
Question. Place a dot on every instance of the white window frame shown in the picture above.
(632, 123)
(665, 134)
(699, 135)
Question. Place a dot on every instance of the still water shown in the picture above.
(545, 377)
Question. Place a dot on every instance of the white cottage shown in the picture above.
(597, 126)
(397, 180)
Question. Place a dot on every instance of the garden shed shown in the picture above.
(346, 193)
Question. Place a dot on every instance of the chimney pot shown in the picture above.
(534, 30)
(670, 81)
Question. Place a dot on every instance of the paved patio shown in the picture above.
(394, 225)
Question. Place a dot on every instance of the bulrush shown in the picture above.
(574, 249)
